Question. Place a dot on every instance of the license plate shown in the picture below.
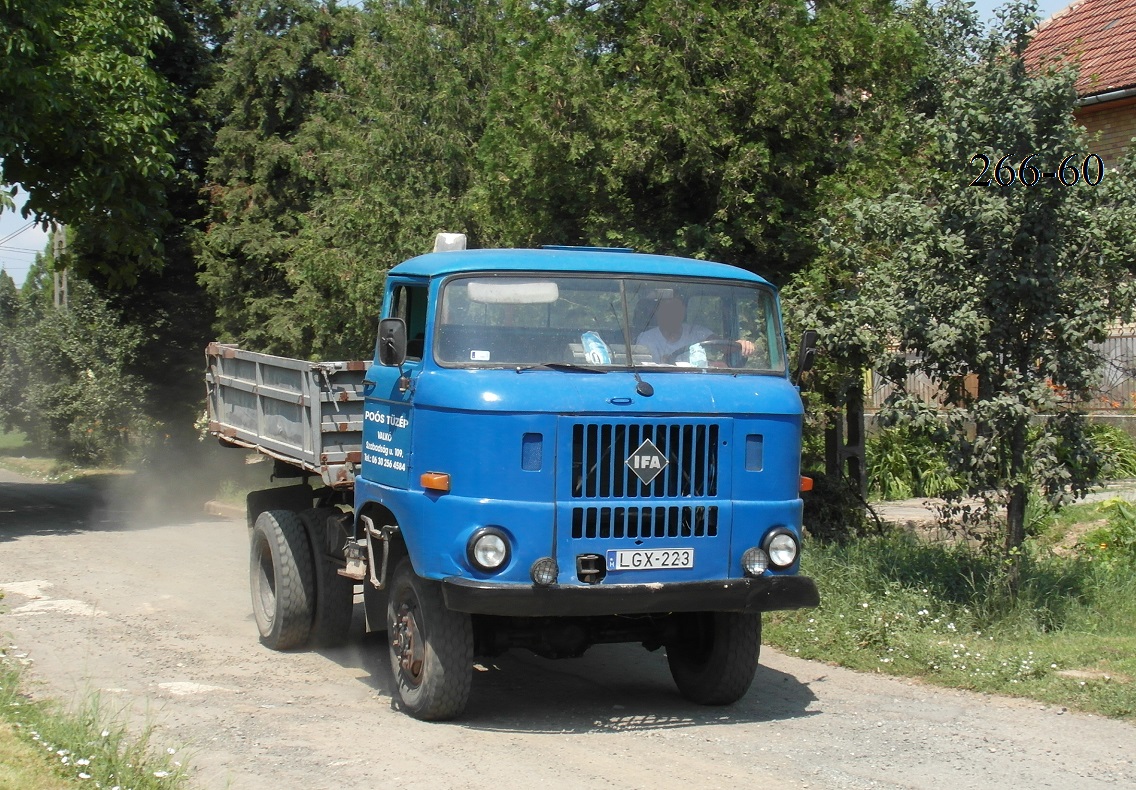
(649, 559)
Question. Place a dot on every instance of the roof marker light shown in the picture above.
(449, 242)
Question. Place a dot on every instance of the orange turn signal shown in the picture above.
(806, 483)
(436, 481)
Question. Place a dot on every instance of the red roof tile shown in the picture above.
(1101, 33)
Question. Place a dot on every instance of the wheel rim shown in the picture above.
(409, 647)
(266, 584)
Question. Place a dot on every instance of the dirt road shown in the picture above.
(154, 614)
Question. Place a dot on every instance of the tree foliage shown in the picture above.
(108, 129)
(84, 123)
(167, 305)
(64, 377)
(998, 295)
(350, 137)
(277, 66)
(695, 128)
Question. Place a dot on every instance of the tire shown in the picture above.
(282, 579)
(714, 659)
(431, 648)
(334, 594)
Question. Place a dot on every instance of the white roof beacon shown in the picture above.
(449, 242)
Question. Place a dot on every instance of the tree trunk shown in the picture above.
(1016, 507)
(844, 438)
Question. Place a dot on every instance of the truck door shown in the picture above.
(388, 415)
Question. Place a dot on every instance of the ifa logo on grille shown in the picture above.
(646, 462)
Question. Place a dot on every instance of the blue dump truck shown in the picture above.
(551, 449)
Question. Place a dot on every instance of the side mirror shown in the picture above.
(392, 342)
(807, 355)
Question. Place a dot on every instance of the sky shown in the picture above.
(17, 252)
(1045, 8)
(19, 243)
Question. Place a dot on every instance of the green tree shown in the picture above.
(347, 143)
(84, 122)
(9, 303)
(998, 295)
(9, 311)
(281, 56)
(350, 138)
(393, 148)
(170, 309)
(64, 379)
(697, 128)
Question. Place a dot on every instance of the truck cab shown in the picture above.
(568, 446)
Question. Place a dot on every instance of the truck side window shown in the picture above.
(410, 306)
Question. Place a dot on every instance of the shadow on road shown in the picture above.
(610, 688)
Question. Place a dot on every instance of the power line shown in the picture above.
(16, 233)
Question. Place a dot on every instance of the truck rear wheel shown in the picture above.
(334, 594)
(431, 648)
(714, 658)
(280, 570)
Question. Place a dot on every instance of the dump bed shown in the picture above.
(307, 414)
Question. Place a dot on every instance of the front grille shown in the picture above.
(600, 450)
(644, 522)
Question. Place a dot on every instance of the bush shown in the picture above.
(63, 379)
(1114, 544)
(1116, 447)
(903, 463)
(833, 511)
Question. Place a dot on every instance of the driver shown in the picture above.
(670, 340)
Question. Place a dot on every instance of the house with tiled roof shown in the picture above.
(1100, 35)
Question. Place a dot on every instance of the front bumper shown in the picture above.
(750, 596)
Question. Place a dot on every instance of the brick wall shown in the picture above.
(1111, 127)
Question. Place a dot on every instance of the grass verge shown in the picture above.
(20, 456)
(902, 606)
(24, 768)
(44, 746)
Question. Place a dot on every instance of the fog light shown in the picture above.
(544, 572)
(488, 549)
(782, 548)
(754, 562)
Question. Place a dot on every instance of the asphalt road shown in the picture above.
(152, 612)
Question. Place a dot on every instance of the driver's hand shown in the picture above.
(747, 347)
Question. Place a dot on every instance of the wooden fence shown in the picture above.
(1115, 395)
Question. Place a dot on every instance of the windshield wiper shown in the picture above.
(559, 366)
(641, 387)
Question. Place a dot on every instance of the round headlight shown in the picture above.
(488, 549)
(782, 549)
(755, 561)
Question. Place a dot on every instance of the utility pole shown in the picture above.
(59, 249)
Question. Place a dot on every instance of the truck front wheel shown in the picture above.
(431, 648)
(282, 578)
(714, 658)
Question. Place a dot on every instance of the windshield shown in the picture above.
(513, 320)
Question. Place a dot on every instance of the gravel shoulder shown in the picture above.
(924, 511)
(152, 613)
